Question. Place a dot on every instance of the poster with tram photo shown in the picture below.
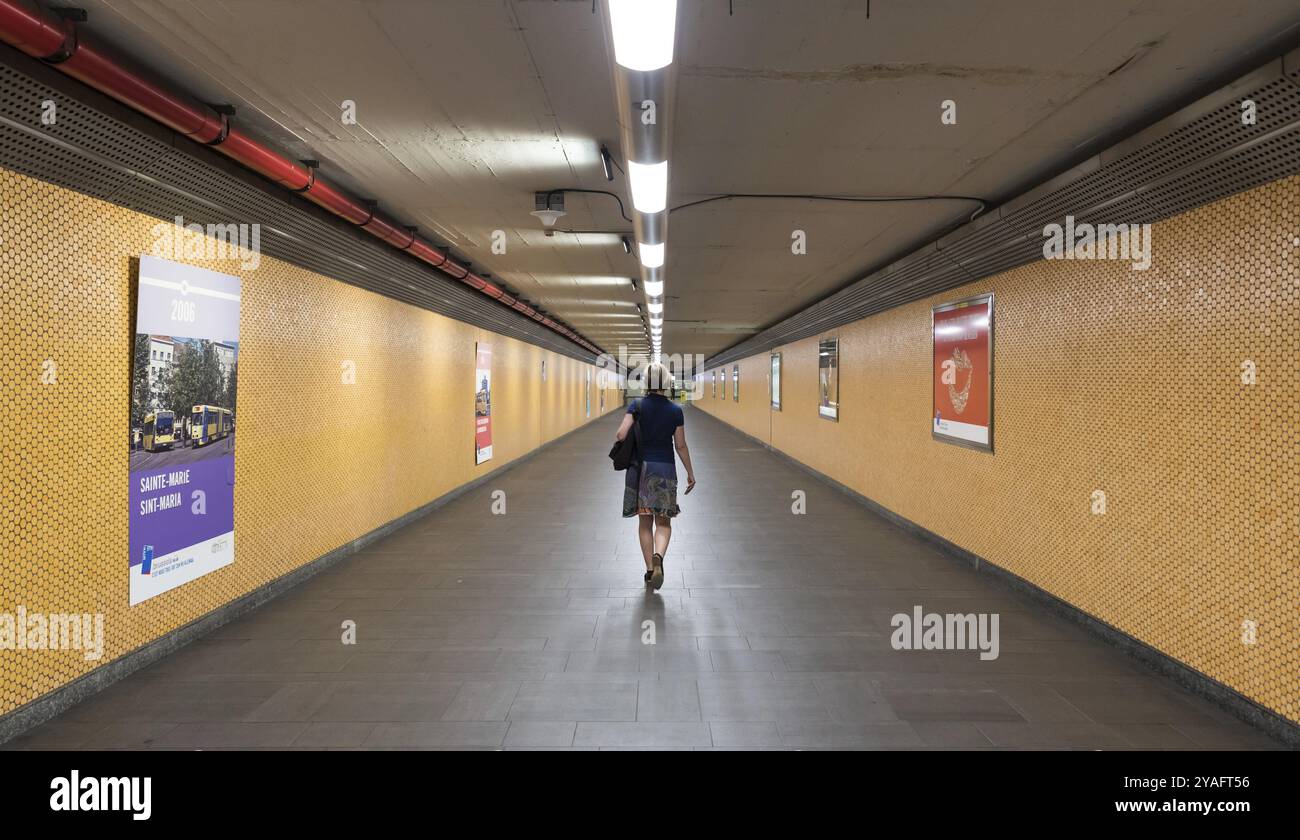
(482, 402)
(962, 411)
(184, 379)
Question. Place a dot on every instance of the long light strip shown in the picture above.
(641, 38)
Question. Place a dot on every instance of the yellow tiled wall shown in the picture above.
(1106, 378)
(318, 463)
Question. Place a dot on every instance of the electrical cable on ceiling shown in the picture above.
(621, 209)
(864, 199)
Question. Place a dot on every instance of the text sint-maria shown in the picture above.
(162, 481)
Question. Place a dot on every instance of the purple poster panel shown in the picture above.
(183, 418)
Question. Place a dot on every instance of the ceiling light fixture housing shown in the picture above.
(640, 38)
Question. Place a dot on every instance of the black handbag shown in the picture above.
(625, 452)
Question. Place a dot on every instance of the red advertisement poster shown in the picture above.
(963, 372)
(482, 403)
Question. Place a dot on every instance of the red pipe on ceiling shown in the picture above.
(28, 26)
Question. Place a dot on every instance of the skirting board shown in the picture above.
(61, 699)
(1228, 699)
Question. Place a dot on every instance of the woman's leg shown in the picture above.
(663, 533)
(646, 533)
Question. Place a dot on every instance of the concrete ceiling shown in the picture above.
(466, 107)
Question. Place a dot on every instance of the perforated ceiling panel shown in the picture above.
(1203, 153)
(96, 147)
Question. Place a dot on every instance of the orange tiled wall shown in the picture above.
(1109, 379)
(318, 463)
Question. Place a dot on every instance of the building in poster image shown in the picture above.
(183, 419)
(482, 403)
(963, 372)
(775, 377)
(828, 378)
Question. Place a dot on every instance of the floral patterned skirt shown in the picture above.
(651, 488)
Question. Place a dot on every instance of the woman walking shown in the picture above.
(650, 493)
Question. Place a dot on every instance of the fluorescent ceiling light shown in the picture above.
(654, 288)
(643, 31)
(652, 256)
(657, 321)
(605, 163)
(654, 308)
(649, 185)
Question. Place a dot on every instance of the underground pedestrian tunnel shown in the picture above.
(319, 321)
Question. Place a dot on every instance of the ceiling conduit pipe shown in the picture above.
(27, 25)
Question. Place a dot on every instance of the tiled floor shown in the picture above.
(524, 631)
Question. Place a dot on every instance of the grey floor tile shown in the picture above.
(1052, 735)
(334, 735)
(230, 735)
(951, 734)
(760, 701)
(443, 734)
(639, 734)
(540, 733)
(482, 701)
(950, 704)
(582, 701)
(672, 699)
(366, 702)
(745, 734)
(834, 735)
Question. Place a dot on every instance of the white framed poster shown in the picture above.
(828, 378)
(482, 402)
(962, 372)
(735, 383)
(775, 379)
(182, 458)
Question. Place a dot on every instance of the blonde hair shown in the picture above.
(657, 377)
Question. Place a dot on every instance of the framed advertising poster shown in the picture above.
(776, 381)
(714, 376)
(482, 402)
(183, 418)
(828, 378)
(963, 372)
(735, 383)
(587, 394)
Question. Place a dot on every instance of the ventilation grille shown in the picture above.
(1198, 155)
(92, 151)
